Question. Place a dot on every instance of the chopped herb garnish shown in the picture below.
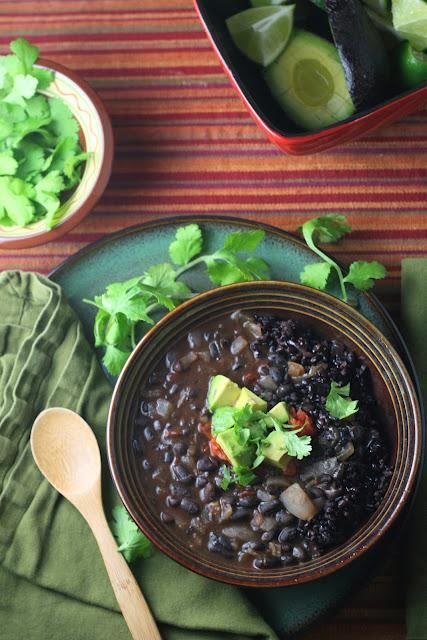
(245, 430)
(339, 404)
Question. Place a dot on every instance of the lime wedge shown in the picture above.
(410, 19)
(262, 33)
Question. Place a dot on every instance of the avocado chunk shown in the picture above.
(361, 50)
(248, 397)
(239, 455)
(274, 450)
(308, 82)
(280, 411)
(222, 392)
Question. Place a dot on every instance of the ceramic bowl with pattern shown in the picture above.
(96, 136)
(149, 461)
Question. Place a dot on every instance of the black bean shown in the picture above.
(287, 559)
(266, 562)
(268, 535)
(299, 553)
(207, 493)
(148, 434)
(252, 546)
(181, 474)
(220, 544)
(172, 502)
(179, 448)
(206, 464)
(144, 408)
(287, 533)
(179, 490)
(214, 350)
(146, 465)
(166, 517)
(201, 481)
(271, 505)
(241, 513)
(284, 517)
(248, 501)
(168, 457)
(190, 506)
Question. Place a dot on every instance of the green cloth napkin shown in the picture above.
(53, 583)
(414, 314)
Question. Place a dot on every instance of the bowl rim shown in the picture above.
(98, 188)
(263, 119)
(380, 528)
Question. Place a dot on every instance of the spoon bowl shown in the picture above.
(65, 450)
(71, 462)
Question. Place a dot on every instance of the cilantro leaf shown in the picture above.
(338, 404)
(163, 278)
(31, 159)
(222, 274)
(187, 244)
(227, 478)
(15, 199)
(62, 124)
(316, 275)
(44, 77)
(8, 164)
(243, 241)
(244, 476)
(362, 274)
(37, 107)
(24, 86)
(26, 53)
(328, 228)
(133, 544)
(223, 419)
(297, 446)
(114, 359)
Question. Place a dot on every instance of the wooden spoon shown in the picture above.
(66, 452)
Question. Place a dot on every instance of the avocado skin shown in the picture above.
(361, 50)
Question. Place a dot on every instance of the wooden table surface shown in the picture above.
(186, 145)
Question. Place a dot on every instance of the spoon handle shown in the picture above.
(128, 594)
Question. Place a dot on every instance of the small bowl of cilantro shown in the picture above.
(56, 148)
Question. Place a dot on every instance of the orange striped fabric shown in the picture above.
(185, 144)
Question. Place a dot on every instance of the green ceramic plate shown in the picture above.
(128, 253)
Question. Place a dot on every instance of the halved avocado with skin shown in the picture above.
(308, 81)
(361, 50)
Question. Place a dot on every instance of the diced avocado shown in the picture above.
(248, 397)
(222, 392)
(238, 455)
(275, 450)
(308, 81)
(280, 411)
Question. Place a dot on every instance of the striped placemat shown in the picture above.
(185, 145)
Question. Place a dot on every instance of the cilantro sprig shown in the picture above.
(339, 404)
(331, 228)
(250, 429)
(132, 542)
(40, 153)
(126, 309)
